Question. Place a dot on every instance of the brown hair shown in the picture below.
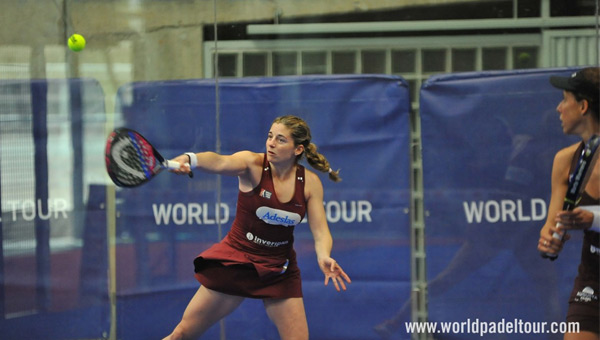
(301, 134)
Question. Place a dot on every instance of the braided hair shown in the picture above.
(301, 135)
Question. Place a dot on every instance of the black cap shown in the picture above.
(577, 83)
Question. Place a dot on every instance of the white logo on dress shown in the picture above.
(586, 295)
(278, 217)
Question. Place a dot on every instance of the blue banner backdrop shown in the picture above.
(360, 123)
(489, 140)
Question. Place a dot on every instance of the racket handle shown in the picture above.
(172, 165)
(557, 236)
(175, 165)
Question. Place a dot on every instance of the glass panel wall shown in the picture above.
(211, 75)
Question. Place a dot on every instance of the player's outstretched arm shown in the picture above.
(236, 164)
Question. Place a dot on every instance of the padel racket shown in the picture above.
(131, 160)
(577, 182)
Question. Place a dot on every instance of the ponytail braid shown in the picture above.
(319, 162)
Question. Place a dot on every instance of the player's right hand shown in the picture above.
(575, 219)
(184, 168)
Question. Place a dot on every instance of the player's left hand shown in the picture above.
(334, 272)
(575, 219)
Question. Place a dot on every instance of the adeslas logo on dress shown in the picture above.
(278, 217)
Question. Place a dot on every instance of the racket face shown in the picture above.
(130, 158)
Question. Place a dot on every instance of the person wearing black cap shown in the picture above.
(579, 115)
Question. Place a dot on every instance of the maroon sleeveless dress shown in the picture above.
(256, 259)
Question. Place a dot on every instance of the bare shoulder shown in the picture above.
(250, 178)
(313, 186)
(562, 163)
(565, 155)
(312, 177)
(249, 157)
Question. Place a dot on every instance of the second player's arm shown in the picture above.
(559, 184)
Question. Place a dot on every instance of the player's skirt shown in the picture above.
(583, 303)
(229, 271)
(583, 306)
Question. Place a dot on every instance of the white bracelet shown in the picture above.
(193, 159)
(594, 209)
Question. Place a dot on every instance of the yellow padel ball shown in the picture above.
(76, 42)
